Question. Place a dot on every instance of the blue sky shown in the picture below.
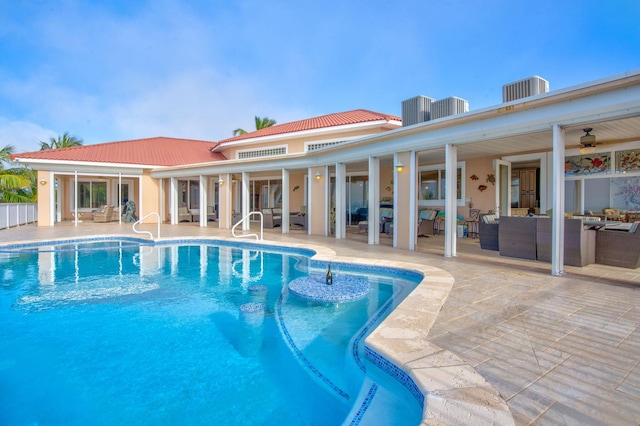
(116, 70)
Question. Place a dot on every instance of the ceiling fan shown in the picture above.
(587, 142)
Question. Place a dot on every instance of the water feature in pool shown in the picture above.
(108, 332)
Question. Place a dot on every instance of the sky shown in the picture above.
(110, 70)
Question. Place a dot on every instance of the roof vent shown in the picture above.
(448, 106)
(524, 88)
(416, 110)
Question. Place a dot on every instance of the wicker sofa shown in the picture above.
(579, 243)
(517, 237)
(619, 248)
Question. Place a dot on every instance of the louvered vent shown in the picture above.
(416, 110)
(524, 88)
(448, 106)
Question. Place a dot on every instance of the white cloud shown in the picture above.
(24, 136)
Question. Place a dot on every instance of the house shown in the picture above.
(531, 151)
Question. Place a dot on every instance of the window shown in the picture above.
(320, 145)
(264, 152)
(92, 195)
(432, 185)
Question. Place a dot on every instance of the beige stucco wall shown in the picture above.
(44, 198)
(403, 221)
(319, 208)
(483, 200)
(150, 201)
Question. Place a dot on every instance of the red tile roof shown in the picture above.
(330, 120)
(158, 151)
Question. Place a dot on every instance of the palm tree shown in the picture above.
(5, 155)
(17, 185)
(64, 141)
(261, 123)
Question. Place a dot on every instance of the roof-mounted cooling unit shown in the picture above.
(448, 106)
(416, 110)
(524, 88)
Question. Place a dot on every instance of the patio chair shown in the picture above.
(472, 223)
(211, 214)
(184, 215)
(271, 218)
(427, 222)
(103, 215)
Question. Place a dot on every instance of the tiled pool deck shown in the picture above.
(559, 350)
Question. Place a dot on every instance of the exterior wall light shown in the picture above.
(221, 181)
(318, 175)
(43, 181)
(399, 166)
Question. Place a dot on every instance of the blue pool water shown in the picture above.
(115, 332)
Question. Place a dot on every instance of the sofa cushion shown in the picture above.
(489, 218)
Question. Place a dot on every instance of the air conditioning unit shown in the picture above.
(524, 88)
(448, 106)
(416, 110)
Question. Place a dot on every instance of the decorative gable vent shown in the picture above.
(524, 88)
(448, 106)
(416, 110)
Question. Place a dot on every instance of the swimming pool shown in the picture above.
(122, 331)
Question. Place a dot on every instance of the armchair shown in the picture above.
(272, 218)
(103, 215)
(184, 215)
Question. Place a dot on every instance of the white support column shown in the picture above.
(327, 200)
(224, 202)
(557, 218)
(285, 201)
(246, 208)
(204, 187)
(373, 216)
(450, 200)
(120, 197)
(53, 202)
(309, 199)
(75, 201)
(341, 183)
(173, 200)
(413, 200)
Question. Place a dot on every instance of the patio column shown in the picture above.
(450, 200)
(557, 218)
(339, 214)
(246, 195)
(373, 215)
(404, 200)
(203, 200)
(224, 201)
(75, 201)
(173, 200)
(285, 201)
(317, 210)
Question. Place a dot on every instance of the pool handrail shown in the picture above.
(147, 232)
(233, 230)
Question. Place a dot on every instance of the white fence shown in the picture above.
(17, 214)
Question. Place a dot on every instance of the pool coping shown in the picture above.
(453, 391)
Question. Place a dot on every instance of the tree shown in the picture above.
(261, 123)
(17, 185)
(64, 141)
